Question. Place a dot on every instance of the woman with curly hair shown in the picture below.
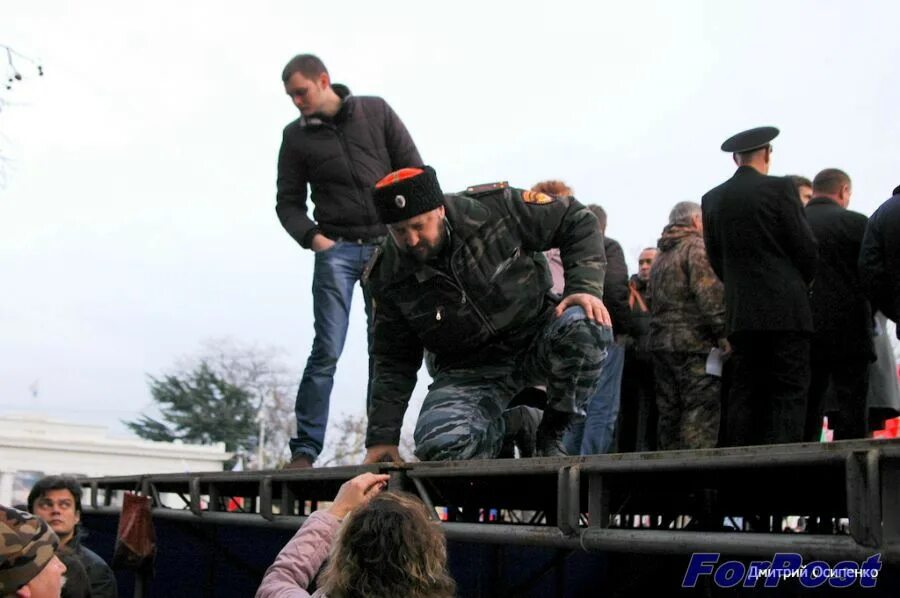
(384, 545)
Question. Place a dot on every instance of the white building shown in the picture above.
(32, 446)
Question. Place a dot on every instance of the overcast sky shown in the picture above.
(137, 218)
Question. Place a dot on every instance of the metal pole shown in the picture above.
(746, 544)
(260, 458)
(260, 450)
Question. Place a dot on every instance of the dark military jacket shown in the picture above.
(487, 303)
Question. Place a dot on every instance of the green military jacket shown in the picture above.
(688, 309)
(490, 299)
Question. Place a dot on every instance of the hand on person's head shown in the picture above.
(357, 492)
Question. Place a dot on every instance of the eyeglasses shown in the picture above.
(642, 262)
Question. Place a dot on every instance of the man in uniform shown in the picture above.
(687, 321)
(761, 247)
(462, 278)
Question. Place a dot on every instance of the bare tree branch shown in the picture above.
(13, 75)
(262, 373)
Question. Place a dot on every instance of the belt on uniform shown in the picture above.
(361, 240)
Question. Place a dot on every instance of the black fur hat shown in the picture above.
(406, 193)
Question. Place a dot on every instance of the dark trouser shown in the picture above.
(637, 413)
(688, 399)
(462, 415)
(766, 403)
(838, 389)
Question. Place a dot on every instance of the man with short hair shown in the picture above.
(645, 263)
(842, 343)
(57, 500)
(638, 414)
(339, 147)
(687, 321)
(462, 278)
(804, 187)
(760, 246)
(29, 567)
(597, 434)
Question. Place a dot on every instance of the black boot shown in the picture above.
(521, 427)
(550, 434)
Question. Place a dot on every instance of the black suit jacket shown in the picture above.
(615, 287)
(841, 312)
(761, 247)
(879, 260)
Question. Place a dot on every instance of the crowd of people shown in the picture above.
(367, 543)
(755, 314)
(750, 319)
(42, 551)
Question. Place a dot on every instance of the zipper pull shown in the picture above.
(437, 315)
(463, 297)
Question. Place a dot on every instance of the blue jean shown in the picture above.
(595, 435)
(336, 272)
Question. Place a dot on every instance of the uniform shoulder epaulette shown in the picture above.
(486, 189)
(536, 197)
(370, 265)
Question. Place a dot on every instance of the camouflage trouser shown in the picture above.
(461, 417)
(688, 399)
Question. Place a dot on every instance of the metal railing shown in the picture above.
(732, 501)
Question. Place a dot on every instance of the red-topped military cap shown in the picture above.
(406, 193)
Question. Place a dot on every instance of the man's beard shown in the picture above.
(425, 253)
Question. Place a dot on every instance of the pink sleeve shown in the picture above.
(300, 559)
(557, 271)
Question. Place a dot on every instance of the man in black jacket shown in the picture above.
(761, 247)
(638, 414)
(339, 147)
(596, 435)
(57, 500)
(879, 259)
(842, 344)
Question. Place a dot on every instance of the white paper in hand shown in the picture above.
(714, 363)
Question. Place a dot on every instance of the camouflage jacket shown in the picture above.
(688, 308)
(490, 301)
